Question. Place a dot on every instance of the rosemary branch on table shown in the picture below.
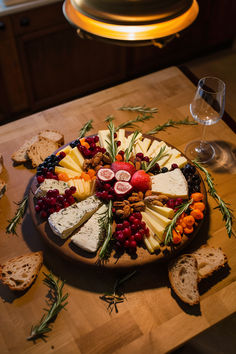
(159, 156)
(129, 149)
(57, 303)
(224, 208)
(116, 296)
(85, 129)
(106, 221)
(20, 212)
(132, 123)
(140, 109)
(171, 123)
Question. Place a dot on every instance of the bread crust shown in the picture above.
(2, 188)
(14, 260)
(40, 150)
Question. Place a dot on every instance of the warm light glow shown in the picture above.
(130, 33)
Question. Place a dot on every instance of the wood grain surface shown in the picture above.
(151, 319)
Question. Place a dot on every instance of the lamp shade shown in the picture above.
(130, 22)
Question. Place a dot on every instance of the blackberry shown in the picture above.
(74, 143)
(164, 169)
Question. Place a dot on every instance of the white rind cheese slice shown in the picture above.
(68, 219)
(91, 233)
(48, 184)
(172, 183)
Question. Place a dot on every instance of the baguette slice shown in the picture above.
(183, 276)
(209, 259)
(20, 272)
(41, 149)
(2, 188)
(52, 135)
(20, 156)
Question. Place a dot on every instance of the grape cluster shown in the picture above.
(129, 234)
(192, 178)
(53, 201)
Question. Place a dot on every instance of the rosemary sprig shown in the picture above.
(158, 157)
(20, 212)
(140, 109)
(183, 207)
(85, 129)
(107, 222)
(116, 296)
(57, 303)
(131, 145)
(171, 123)
(222, 206)
(109, 118)
(132, 123)
(112, 146)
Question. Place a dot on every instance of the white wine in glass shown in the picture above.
(207, 108)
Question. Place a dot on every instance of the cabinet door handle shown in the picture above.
(24, 21)
(2, 26)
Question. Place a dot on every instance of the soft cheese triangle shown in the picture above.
(91, 233)
(172, 183)
(68, 219)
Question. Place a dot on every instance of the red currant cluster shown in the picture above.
(53, 201)
(105, 191)
(129, 234)
(89, 148)
(174, 203)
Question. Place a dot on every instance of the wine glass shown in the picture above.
(207, 108)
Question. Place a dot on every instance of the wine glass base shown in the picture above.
(203, 152)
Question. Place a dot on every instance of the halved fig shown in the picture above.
(105, 174)
(123, 175)
(121, 188)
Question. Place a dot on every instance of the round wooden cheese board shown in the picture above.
(66, 248)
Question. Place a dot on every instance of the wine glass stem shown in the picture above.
(203, 137)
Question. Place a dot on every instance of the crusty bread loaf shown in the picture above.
(183, 276)
(2, 188)
(172, 183)
(53, 135)
(21, 155)
(209, 259)
(1, 163)
(42, 148)
(20, 272)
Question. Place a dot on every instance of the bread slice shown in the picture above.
(20, 272)
(53, 135)
(21, 156)
(172, 183)
(183, 276)
(209, 259)
(41, 149)
(2, 188)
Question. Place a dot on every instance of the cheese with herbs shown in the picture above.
(68, 219)
(48, 184)
(91, 234)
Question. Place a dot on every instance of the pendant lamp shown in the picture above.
(130, 22)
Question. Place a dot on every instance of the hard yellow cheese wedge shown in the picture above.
(70, 173)
(76, 156)
(69, 163)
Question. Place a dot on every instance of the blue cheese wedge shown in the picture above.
(91, 233)
(50, 184)
(68, 219)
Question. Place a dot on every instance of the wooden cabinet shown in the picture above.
(43, 62)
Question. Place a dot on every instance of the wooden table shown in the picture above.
(152, 319)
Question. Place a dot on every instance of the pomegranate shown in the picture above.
(141, 181)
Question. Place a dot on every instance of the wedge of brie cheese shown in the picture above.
(68, 219)
(172, 183)
(91, 234)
